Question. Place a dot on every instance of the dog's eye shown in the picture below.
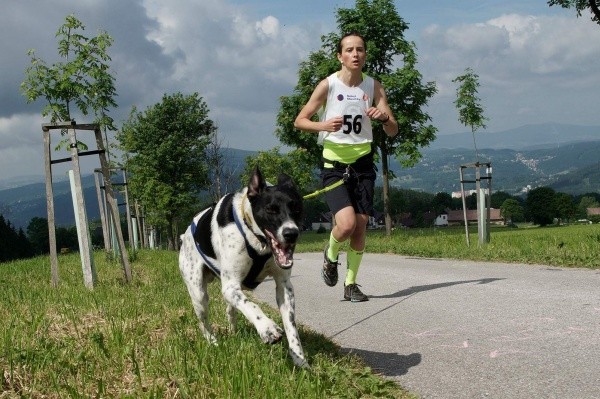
(272, 209)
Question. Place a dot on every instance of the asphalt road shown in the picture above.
(461, 329)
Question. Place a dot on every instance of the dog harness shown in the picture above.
(258, 261)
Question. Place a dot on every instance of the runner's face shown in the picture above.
(353, 53)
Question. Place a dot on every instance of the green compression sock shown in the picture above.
(334, 248)
(354, 258)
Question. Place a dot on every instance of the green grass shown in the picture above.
(568, 246)
(142, 340)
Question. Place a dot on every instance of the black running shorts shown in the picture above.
(357, 191)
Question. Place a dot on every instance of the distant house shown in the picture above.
(405, 219)
(441, 220)
(457, 217)
(325, 221)
(593, 211)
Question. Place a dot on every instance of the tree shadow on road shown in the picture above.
(388, 364)
(407, 293)
(421, 288)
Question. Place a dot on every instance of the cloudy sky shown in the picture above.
(536, 64)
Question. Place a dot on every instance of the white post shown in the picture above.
(135, 244)
(482, 216)
(89, 272)
(152, 240)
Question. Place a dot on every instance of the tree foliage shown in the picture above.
(586, 201)
(540, 205)
(165, 148)
(470, 111)
(272, 163)
(37, 231)
(580, 5)
(441, 202)
(13, 244)
(512, 211)
(83, 79)
(564, 206)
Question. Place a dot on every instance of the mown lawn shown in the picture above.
(141, 340)
(568, 246)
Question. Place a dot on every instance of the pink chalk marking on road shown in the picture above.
(429, 333)
(464, 345)
(496, 353)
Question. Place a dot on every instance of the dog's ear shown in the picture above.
(284, 180)
(256, 184)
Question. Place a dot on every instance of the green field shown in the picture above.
(568, 246)
(142, 340)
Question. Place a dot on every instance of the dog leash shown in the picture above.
(331, 186)
(324, 190)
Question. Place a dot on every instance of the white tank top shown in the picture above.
(351, 103)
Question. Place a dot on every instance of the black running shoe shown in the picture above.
(353, 294)
(329, 271)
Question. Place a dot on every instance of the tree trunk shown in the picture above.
(385, 170)
(171, 234)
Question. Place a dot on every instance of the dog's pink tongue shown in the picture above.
(284, 257)
(283, 254)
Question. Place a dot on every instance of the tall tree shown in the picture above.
(580, 5)
(83, 79)
(37, 231)
(166, 157)
(584, 203)
(512, 211)
(540, 205)
(564, 206)
(383, 29)
(470, 111)
(441, 202)
(13, 244)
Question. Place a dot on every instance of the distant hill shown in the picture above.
(564, 157)
(512, 170)
(21, 204)
(524, 137)
(24, 198)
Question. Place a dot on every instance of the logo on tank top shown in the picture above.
(340, 97)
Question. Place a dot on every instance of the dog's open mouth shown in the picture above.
(283, 253)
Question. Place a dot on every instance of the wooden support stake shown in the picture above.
(50, 208)
(113, 208)
(102, 207)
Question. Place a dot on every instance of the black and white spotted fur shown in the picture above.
(268, 219)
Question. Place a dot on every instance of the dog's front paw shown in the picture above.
(300, 362)
(211, 339)
(271, 334)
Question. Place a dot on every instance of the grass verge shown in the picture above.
(567, 246)
(142, 340)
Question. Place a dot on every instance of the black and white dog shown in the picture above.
(244, 238)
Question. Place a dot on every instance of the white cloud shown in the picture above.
(268, 27)
(532, 69)
(535, 64)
